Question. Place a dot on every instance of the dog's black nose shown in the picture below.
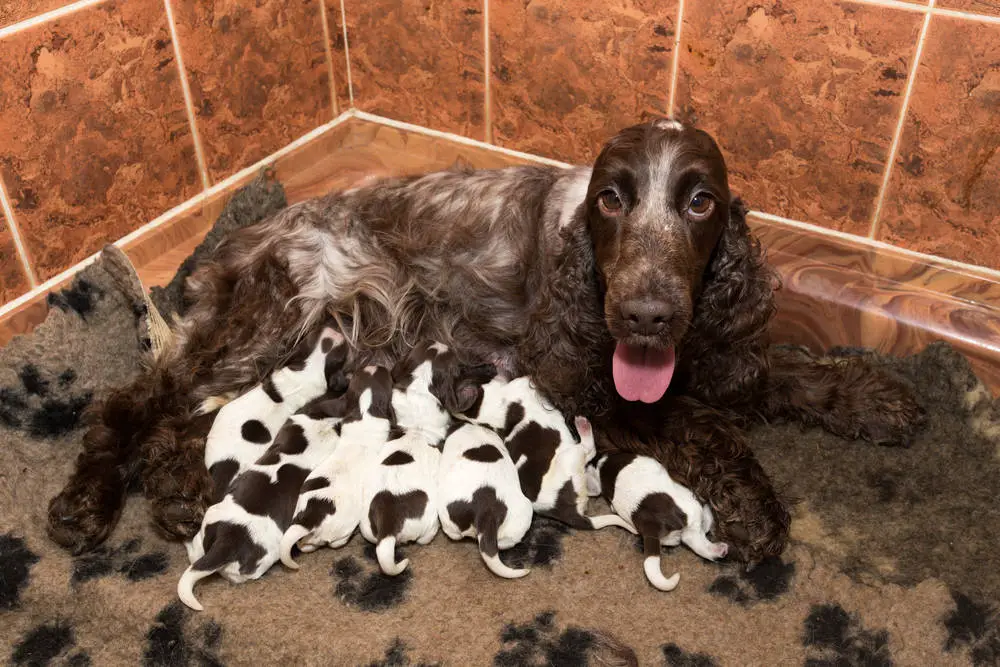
(646, 317)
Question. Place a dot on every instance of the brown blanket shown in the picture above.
(892, 560)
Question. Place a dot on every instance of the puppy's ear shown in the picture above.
(468, 387)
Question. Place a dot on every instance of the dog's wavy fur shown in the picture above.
(515, 267)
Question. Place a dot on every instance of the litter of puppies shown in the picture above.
(311, 455)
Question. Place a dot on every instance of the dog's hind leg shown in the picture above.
(237, 327)
(848, 396)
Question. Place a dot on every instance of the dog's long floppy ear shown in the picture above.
(724, 354)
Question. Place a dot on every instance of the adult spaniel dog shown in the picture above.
(632, 292)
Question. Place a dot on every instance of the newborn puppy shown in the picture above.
(479, 495)
(665, 513)
(550, 458)
(400, 491)
(330, 503)
(245, 427)
(241, 535)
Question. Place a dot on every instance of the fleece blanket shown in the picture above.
(892, 559)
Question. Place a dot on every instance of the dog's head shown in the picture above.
(656, 206)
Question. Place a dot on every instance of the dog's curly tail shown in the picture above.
(488, 525)
(651, 565)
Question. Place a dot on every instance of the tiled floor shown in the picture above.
(835, 292)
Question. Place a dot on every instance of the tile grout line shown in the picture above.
(457, 138)
(15, 234)
(675, 64)
(46, 17)
(487, 73)
(178, 210)
(328, 50)
(347, 52)
(897, 136)
(930, 9)
(199, 150)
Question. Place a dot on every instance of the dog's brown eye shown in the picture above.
(609, 202)
(701, 206)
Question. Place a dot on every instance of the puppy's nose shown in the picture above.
(646, 317)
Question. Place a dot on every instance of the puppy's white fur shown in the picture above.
(474, 491)
(296, 388)
(569, 460)
(636, 482)
(425, 422)
(228, 557)
(315, 525)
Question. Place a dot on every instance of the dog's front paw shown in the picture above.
(84, 513)
(753, 530)
(178, 518)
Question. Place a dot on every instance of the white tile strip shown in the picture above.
(409, 127)
(328, 50)
(487, 74)
(178, 210)
(897, 136)
(15, 233)
(65, 10)
(675, 64)
(347, 51)
(930, 9)
(199, 151)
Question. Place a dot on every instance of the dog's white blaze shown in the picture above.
(573, 193)
(669, 124)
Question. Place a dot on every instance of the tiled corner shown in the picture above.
(803, 98)
(418, 62)
(13, 11)
(566, 76)
(258, 76)
(975, 6)
(13, 282)
(96, 141)
(943, 196)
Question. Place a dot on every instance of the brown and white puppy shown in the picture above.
(665, 513)
(241, 535)
(400, 490)
(245, 427)
(479, 495)
(550, 456)
(330, 503)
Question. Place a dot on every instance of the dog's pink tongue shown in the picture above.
(642, 373)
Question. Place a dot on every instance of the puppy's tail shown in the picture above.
(385, 551)
(291, 537)
(488, 525)
(605, 520)
(185, 586)
(651, 565)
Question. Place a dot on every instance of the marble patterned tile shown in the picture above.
(803, 97)
(567, 76)
(942, 197)
(975, 6)
(419, 62)
(13, 282)
(96, 139)
(13, 11)
(258, 75)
